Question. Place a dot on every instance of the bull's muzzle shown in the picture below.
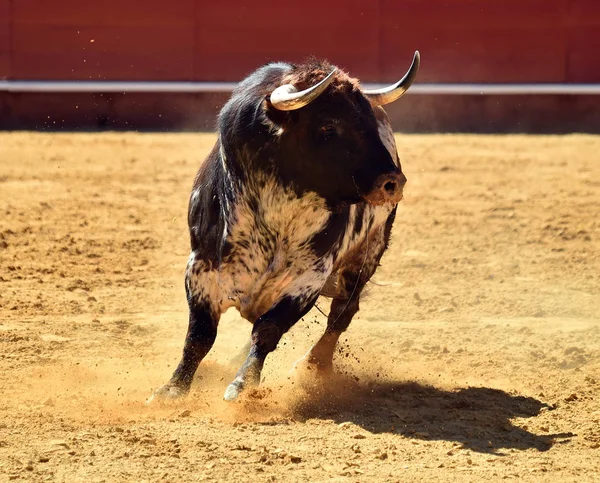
(388, 188)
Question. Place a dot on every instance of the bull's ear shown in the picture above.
(280, 120)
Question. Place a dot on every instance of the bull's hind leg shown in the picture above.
(200, 337)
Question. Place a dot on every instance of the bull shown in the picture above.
(295, 201)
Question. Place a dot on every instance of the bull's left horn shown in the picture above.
(380, 97)
(287, 97)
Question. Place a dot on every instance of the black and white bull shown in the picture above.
(296, 200)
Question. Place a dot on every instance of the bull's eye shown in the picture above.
(329, 131)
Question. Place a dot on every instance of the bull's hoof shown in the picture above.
(233, 391)
(167, 393)
(308, 365)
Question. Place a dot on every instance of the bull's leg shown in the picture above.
(266, 333)
(343, 308)
(344, 305)
(200, 337)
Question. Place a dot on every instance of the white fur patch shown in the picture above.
(271, 256)
(386, 133)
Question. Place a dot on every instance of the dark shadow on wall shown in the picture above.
(545, 114)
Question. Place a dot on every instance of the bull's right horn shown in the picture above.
(287, 97)
(380, 97)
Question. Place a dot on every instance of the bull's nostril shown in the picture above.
(390, 187)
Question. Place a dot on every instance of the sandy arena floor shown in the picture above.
(476, 355)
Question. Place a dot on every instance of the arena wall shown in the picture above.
(512, 41)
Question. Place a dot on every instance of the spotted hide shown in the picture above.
(296, 200)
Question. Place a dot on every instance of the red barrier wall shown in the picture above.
(4, 38)
(460, 40)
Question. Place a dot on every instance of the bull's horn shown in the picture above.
(380, 97)
(287, 97)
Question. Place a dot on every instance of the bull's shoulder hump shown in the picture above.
(267, 74)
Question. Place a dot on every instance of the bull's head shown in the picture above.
(330, 132)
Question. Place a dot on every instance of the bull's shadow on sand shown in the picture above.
(477, 417)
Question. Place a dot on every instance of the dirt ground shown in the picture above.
(475, 356)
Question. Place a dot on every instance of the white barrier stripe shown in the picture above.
(115, 86)
(217, 87)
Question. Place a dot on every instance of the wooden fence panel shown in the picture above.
(584, 12)
(5, 39)
(474, 41)
(460, 41)
(69, 40)
(102, 53)
(234, 40)
(105, 13)
(584, 42)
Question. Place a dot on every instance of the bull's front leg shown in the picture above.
(297, 300)
(201, 333)
(345, 304)
(343, 308)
